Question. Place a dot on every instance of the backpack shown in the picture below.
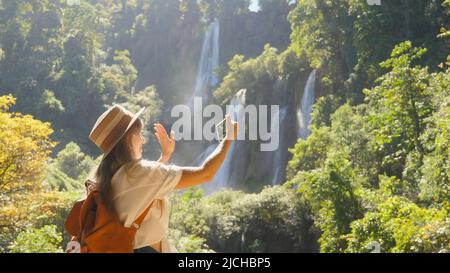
(95, 229)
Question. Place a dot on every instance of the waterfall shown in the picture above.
(281, 123)
(305, 109)
(279, 163)
(206, 79)
(199, 160)
(224, 175)
(209, 62)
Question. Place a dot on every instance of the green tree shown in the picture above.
(322, 30)
(435, 181)
(398, 225)
(379, 28)
(310, 154)
(30, 38)
(333, 193)
(42, 240)
(73, 162)
(25, 145)
(274, 220)
(254, 74)
(351, 133)
(399, 108)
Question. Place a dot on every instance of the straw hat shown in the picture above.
(111, 126)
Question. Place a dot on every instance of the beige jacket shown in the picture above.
(137, 185)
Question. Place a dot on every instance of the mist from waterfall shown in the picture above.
(306, 104)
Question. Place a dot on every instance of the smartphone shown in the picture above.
(221, 130)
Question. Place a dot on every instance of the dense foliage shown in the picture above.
(274, 220)
(375, 170)
(380, 171)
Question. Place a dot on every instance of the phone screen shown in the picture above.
(221, 130)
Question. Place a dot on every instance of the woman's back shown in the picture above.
(138, 185)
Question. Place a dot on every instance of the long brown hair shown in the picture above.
(121, 154)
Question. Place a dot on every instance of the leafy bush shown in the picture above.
(42, 240)
(73, 162)
(401, 226)
(272, 221)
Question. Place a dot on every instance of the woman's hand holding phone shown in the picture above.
(232, 128)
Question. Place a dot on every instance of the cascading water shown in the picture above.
(206, 79)
(209, 62)
(279, 163)
(272, 164)
(305, 109)
(279, 123)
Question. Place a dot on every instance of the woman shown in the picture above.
(129, 184)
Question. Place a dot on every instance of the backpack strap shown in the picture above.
(137, 223)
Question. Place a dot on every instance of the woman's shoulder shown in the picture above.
(139, 167)
(144, 163)
(141, 164)
(144, 166)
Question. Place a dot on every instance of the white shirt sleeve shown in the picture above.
(162, 178)
(168, 175)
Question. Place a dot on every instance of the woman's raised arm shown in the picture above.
(193, 176)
